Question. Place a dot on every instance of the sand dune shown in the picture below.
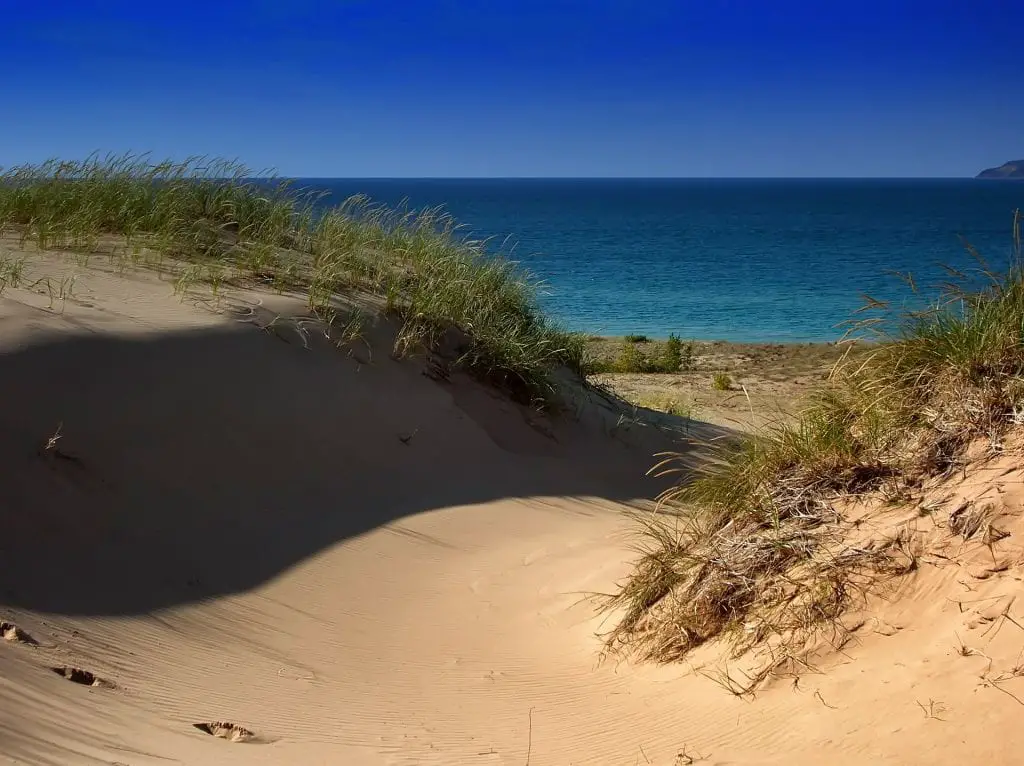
(352, 563)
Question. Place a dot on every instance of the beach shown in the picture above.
(524, 384)
(288, 489)
(236, 544)
(758, 384)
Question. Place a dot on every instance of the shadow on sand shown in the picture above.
(195, 464)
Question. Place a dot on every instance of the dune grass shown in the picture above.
(12, 272)
(669, 356)
(721, 381)
(755, 549)
(210, 220)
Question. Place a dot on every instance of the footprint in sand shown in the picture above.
(83, 677)
(13, 633)
(229, 731)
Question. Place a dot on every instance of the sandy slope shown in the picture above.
(240, 529)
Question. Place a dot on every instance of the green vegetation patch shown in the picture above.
(218, 225)
(638, 354)
(755, 550)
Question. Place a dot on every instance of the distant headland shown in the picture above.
(1013, 169)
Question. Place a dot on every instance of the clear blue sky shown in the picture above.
(379, 88)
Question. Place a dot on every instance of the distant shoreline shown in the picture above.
(1008, 171)
(641, 338)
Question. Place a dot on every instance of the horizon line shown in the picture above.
(627, 178)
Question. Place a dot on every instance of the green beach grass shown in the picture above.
(208, 219)
(753, 548)
(669, 356)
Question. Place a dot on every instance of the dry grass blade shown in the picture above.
(968, 519)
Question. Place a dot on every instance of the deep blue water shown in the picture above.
(741, 260)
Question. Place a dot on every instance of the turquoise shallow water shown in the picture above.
(740, 260)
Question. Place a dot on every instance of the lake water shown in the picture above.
(740, 260)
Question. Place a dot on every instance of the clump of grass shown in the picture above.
(220, 226)
(12, 272)
(633, 359)
(680, 410)
(754, 549)
(669, 405)
(721, 381)
(671, 356)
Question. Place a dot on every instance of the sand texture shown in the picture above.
(224, 541)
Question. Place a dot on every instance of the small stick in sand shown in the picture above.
(51, 450)
(932, 710)
(529, 741)
(51, 443)
(821, 699)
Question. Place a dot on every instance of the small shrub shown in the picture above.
(632, 359)
(592, 366)
(721, 382)
(676, 355)
(668, 357)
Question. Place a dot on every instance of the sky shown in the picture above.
(521, 88)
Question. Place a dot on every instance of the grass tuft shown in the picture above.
(671, 356)
(12, 272)
(721, 381)
(218, 226)
(755, 549)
